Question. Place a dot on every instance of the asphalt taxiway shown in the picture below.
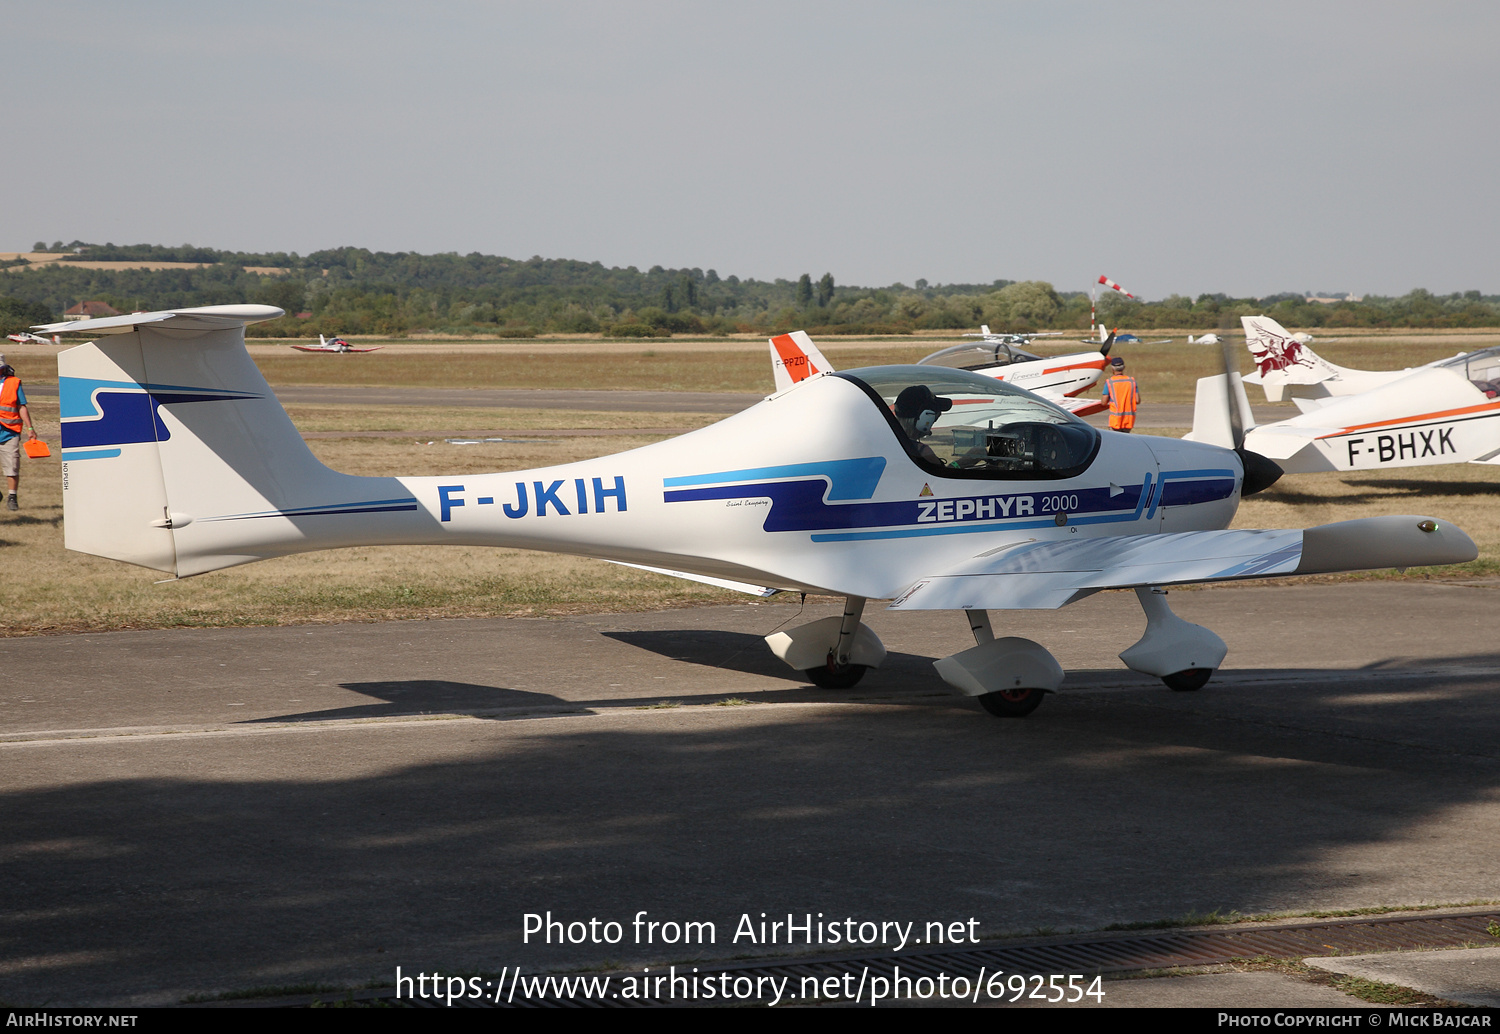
(195, 810)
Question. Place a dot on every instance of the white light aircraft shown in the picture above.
(23, 338)
(1059, 378)
(930, 487)
(336, 344)
(1445, 412)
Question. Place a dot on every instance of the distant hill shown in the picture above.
(357, 291)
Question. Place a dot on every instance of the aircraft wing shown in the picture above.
(1078, 406)
(1045, 575)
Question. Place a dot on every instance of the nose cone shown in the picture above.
(1260, 473)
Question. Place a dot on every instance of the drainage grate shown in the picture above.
(1100, 953)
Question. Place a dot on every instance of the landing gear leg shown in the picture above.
(833, 653)
(1181, 654)
(837, 672)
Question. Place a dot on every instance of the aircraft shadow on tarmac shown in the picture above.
(413, 697)
(901, 677)
(1454, 686)
(746, 652)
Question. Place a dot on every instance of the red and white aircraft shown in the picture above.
(336, 344)
(25, 338)
(1058, 378)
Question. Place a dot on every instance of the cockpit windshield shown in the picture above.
(1481, 368)
(979, 355)
(964, 424)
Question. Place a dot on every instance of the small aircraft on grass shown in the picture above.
(23, 338)
(1123, 339)
(1058, 378)
(1445, 412)
(931, 487)
(334, 344)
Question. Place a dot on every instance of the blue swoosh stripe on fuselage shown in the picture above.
(326, 510)
(1177, 490)
(800, 506)
(848, 479)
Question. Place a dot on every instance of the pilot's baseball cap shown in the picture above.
(1117, 361)
(913, 400)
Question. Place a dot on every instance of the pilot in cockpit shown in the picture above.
(917, 409)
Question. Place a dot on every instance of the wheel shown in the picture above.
(1012, 703)
(1188, 679)
(830, 676)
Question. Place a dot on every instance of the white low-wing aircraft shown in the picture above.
(1445, 412)
(1059, 379)
(934, 488)
(23, 338)
(336, 344)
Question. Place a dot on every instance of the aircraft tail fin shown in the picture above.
(177, 456)
(795, 358)
(1283, 358)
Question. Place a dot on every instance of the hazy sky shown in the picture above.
(1189, 147)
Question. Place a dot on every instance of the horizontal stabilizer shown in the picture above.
(197, 320)
(1278, 442)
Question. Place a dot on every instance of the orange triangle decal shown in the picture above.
(926, 490)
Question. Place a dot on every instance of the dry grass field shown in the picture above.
(1167, 373)
(47, 589)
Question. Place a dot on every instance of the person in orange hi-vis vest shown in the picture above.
(1123, 396)
(13, 417)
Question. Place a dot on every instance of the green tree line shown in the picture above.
(357, 291)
